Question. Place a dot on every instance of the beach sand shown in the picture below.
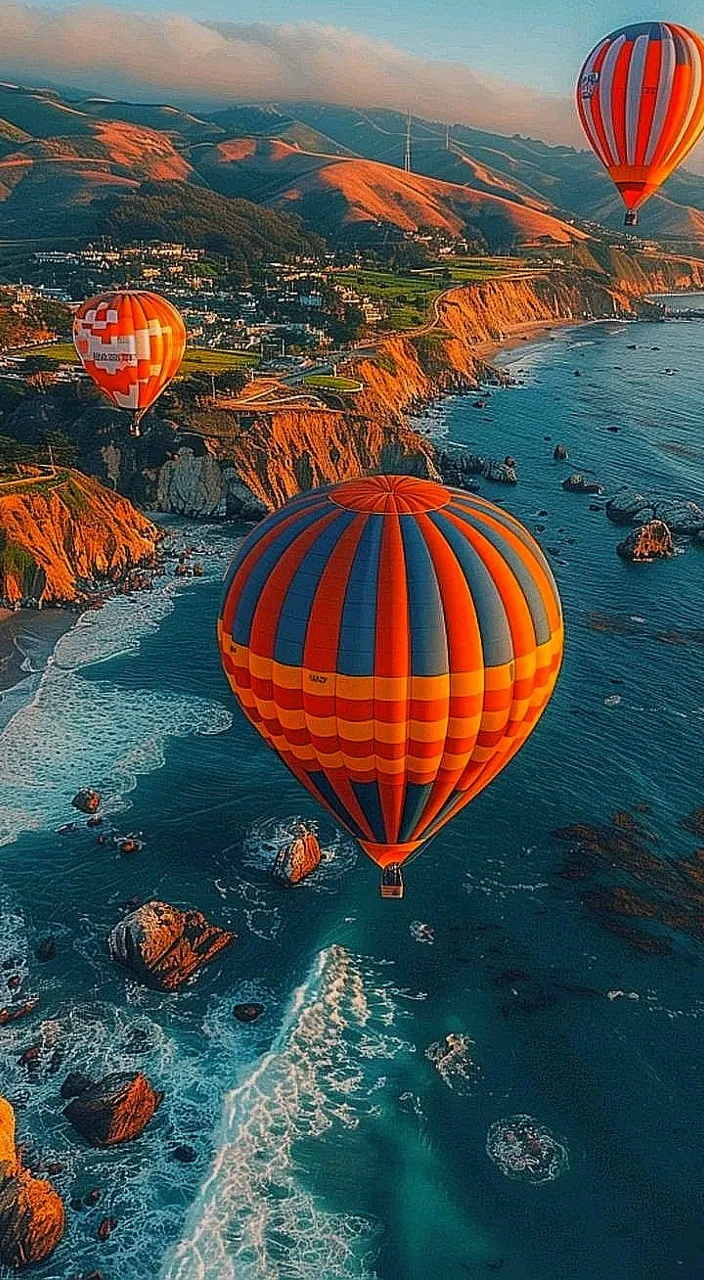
(27, 640)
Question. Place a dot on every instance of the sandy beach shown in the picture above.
(27, 640)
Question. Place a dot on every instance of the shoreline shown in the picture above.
(28, 638)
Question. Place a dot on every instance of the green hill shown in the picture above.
(238, 229)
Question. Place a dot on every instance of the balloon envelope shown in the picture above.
(395, 642)
(131, 344)
(640, 98)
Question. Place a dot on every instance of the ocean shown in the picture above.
(335, 1138)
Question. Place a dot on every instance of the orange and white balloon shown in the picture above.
(132, 344)
(640, 97)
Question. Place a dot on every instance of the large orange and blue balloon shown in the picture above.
(395, 641)
(640, 98)
(132, 344)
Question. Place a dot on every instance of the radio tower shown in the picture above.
(407, 152)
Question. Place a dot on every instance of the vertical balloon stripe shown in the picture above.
(662, 102)
(260, 537)
(676, 115)
(693, 104)
(297, 601)
(269, 617)
(250, 581)
(645, 108)
(358, 631)
(606, 100)
(528, 548)
(634, 88)
(426, 619)
(618, 96)
(588, 101)
(496, 647)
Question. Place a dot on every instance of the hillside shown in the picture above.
(339, 168)
(341, 196)
(239, 229)
(569, 181)
(63, 535)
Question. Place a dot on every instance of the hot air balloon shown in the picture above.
(640, 98)
(131, 343)
(395, 641)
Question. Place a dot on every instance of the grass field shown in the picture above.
(328, 382)
(410, 295)
(196, 359)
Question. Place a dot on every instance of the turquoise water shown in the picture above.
(329, 1145)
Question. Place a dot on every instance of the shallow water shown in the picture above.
(329, 1144)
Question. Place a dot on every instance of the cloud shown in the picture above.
(115, 52)
(106, 50)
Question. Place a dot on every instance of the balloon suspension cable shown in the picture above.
(391, 881)
(631, 218)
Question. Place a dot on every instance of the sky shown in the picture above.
(495, 64)
(540, 43)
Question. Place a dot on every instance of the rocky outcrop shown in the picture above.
(578, 483)
(114, 1110)
(459, 467)
(63, 536)
(197, 485)
(680, 516)
(297, 860)
(627, 505)
(87, 800)
(162, 946)
(651, 541)
(248, 1012)
(32, 1218)
(560, 453)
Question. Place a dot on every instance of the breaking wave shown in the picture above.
(75, 730)
(254, 1219)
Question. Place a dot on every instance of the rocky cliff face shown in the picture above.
(230, 466)
(63, 535)
(32, 1217)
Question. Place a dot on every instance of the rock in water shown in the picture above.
(87, 801)
(680, 516)
(114, 1110)
(297, 860)
(32, 1218)
(162, 945)
(248, 1012)
(560, 453)
(626, 505)
(652, 541)
(577, 483)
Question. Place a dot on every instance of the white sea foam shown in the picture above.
(75, 731)
(254, 1219)
(140, 1184)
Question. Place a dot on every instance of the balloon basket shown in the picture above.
(391, 881)
(631, 218)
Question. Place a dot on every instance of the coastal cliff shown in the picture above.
(214, 463)
(63, 536)
(275, 455)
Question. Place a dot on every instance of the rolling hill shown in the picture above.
(347, 198)
(337, 167)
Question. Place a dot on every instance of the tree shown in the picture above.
(40, 372)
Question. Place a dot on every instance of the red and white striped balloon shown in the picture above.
(640, 98)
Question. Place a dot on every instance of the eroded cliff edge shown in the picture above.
(64, 536)
(214, 463)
